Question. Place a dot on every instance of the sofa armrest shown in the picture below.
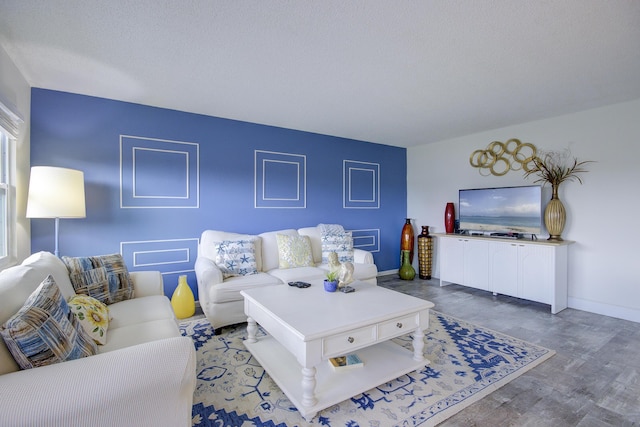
(147, 283)
(361, 256)
(207, 274)
(146, 384)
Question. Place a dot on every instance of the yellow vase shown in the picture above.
(183, 302)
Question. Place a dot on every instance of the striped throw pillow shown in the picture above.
(103, 277)
(44, 331)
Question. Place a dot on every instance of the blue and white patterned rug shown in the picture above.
(467, 363)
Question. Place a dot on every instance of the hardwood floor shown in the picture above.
(593, 379)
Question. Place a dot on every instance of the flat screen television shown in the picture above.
(510, 210)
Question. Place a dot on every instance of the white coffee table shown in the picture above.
(306, 327)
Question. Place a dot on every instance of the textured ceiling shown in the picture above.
(394, 72)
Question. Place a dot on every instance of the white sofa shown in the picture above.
(220, 298)
(144, 375)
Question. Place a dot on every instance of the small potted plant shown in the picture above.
(331, 282)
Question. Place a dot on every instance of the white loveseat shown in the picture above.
(144, 375)
(220, 297)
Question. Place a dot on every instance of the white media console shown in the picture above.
(534, 270)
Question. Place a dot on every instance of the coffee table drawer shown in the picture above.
(399, 326)
(348, 341)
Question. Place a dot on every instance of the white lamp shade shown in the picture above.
(56, 193)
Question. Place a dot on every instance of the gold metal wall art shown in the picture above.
(501, 157)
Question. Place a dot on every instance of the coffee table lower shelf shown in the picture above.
(383, 362)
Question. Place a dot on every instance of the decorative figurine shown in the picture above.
(346, 274)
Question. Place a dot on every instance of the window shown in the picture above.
(9, 123)
(5, 188)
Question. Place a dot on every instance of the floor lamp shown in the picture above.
(56, 193)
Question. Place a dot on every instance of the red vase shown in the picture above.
(406, 239)
(449, 218)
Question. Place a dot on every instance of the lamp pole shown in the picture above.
(56, 252)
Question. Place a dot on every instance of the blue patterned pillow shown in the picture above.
(103, 277)
(236, 257)
(44, 331)
(335, 239)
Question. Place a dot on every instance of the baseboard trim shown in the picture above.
(387, 272)
(616, 311)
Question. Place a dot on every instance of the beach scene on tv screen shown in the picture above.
(507, 209)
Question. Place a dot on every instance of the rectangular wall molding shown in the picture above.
(367, 239)
(361, 185)
(167, 256)
(280, 180)
(158, 173)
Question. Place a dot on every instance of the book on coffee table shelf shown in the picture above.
(346, 362)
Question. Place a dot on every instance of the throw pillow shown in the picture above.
(44, 331)
(335, 239)
(236, 257)
(103, 277)
(92, 315)
(294, 251)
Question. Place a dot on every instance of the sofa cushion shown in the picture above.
(46, 263)
(140, 310)
(360, 271)
(304, 274)
(229, 290)
(92, 315)
(294, 251)
(335, 239)
(44, 331)
(210, 238)
(236, 257)
(103, 277)
(138, 333)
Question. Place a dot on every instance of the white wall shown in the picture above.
(15, 92)
(604, 270)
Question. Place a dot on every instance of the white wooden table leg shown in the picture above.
(252, 328)
(418, 345)
(309, 387)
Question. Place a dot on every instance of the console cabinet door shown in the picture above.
(476, 264)
(532, 271)
(536, 273)
(503, 268)
(451, 260)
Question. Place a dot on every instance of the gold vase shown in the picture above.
(555, 216)
(182, 301)
(425, 253)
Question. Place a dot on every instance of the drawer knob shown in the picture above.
(399, 325)
(351, 340)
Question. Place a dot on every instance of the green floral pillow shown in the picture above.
(93, 316)
(294, 251)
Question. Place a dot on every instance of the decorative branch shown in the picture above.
(555, 167)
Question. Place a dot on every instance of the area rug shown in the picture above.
(467, 362)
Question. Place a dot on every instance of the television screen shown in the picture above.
(501, 210)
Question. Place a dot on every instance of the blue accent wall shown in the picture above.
(156, 178)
